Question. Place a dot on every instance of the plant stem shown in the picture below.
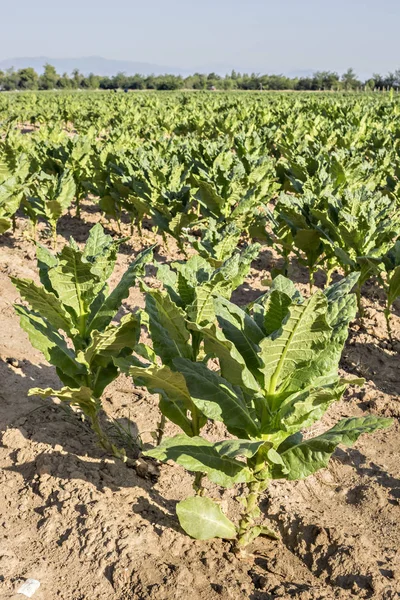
(387, 314)
(160, 429)
(197, 484)
(101, 436)
(247, 519)
(55, 237)
(310, 280)
(329, 276)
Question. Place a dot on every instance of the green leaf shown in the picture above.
(101, 252)
(112, 341)
(105, 311)
(217, 399)
(201, 456)
(73, 282)
(285, 285)
(5, 224)
(242, 331)
(81, 397)
(201, 311)
(342, 288)
(46, 261)
(43, 302)
(46, 339)
(303, 334)
(167, 327)
(304, 457)
(175, 399)
(203, 519)
(231, 361)
(234, 448)
(276, 310)
(209, 198)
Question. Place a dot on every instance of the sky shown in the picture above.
(253, 35)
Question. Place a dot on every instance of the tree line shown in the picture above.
(29, 79)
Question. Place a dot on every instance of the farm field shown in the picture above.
(262, 310)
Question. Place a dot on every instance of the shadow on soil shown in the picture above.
(360, 463)
(56, 425)
(372, 362)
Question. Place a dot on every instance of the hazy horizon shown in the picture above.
(258, 35)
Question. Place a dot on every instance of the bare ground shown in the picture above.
(87, 527)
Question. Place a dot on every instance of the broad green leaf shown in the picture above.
(97, 243)
(112, 341)
(199, 455)
(234, 448)
(209, 197)
(241, 329)
(201, 311)
(101, 252)
(175, 399)
(341, 288)
(231, 361)
(304, 457)
(46, 339)
(303, 408)
(217, 399)
(203, 519)
(5, 224)
(167, 327)
(74, 283)
(46, 261)
(304, 333)
(105, 311)
(276, 310)
(43, 302)
(81, 397)
(285, 285)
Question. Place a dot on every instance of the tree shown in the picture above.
(28, 79)
(64, 82)
(349, 80)
(10, 81)
(48, 80)
(91, 82)
(76, 79)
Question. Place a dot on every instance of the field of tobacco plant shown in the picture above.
(199, 351)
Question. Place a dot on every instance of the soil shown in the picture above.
(88, 527)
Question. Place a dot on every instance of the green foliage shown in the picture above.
(68, 317)
(177, 318)
(53, 196)
(277, 375)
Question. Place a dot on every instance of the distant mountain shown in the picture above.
(108, 67)
(90, 64)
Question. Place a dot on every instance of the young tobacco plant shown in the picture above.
(278, 374)
(175, 318)
(53, 195)
(216, 244)
(68, 318)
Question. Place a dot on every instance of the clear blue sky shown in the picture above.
(261, 35)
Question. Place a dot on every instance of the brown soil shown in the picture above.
(89, 528)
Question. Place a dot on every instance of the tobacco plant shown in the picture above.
(68, 317)
(277, 375)
(175, 317)
(50, 198)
